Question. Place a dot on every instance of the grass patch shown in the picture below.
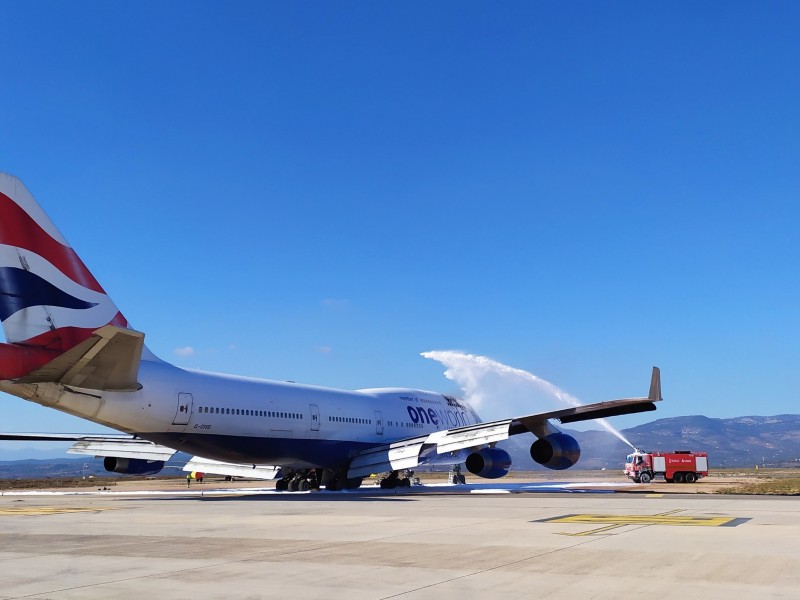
(55, 482)
(784, 486)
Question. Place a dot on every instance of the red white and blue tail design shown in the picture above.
(49, 301)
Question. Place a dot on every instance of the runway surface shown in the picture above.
(446, 543)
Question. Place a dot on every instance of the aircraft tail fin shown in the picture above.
(49, 301)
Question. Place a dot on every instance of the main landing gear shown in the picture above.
(393, 480)
(299, 481)
(455, 475)
(305, 480)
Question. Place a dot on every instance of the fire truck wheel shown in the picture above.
(644, 478)
(691, 478)
(678, 477)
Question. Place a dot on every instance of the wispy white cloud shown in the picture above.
(335, 303)
(323, 349)
(185, 351)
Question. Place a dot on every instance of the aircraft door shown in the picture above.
(378, 422)
(314, 417)
(184, 411)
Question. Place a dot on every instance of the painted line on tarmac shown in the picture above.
(611, 522)
(37, 511)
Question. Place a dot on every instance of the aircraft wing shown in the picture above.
(127, 446)
(119, 445)
(206, 465)
(446, 446)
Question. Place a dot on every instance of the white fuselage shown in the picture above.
(247, 420)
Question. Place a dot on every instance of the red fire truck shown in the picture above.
(681, 466)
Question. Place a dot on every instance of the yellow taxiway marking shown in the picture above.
(33, 511)
(609, 522)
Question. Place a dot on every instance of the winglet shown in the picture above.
(655, 385)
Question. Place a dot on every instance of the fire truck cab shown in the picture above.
(680, 466)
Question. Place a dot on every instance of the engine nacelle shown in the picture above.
(557, 451)
(132, 466)
(490, 463)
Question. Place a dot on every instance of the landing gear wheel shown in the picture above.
(644, 477)
(391, 481)
(353, 483)
(405, 482)
(281, 485)
(678, 478)
(691, 478)
(303, 486)
(461, 478)
(293, 485)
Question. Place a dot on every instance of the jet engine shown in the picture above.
(490, 463)
(132, 466)
(557, 451)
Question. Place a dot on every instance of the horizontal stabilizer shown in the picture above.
(108, 360)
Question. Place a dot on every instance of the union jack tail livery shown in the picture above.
(49, 301)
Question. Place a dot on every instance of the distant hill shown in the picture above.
(50, 468)
(737, 442)
(740, 441)
(54, 468)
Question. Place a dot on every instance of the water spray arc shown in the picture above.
(480, 377)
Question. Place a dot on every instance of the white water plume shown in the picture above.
(501, 391)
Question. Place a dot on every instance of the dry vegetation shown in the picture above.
(49, 483)
(776, 482)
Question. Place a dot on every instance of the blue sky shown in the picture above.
(321, 191)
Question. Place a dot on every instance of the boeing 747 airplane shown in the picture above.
(70, 348)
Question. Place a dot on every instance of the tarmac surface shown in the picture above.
(493, 541)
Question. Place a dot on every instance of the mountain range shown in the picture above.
(734, 442)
